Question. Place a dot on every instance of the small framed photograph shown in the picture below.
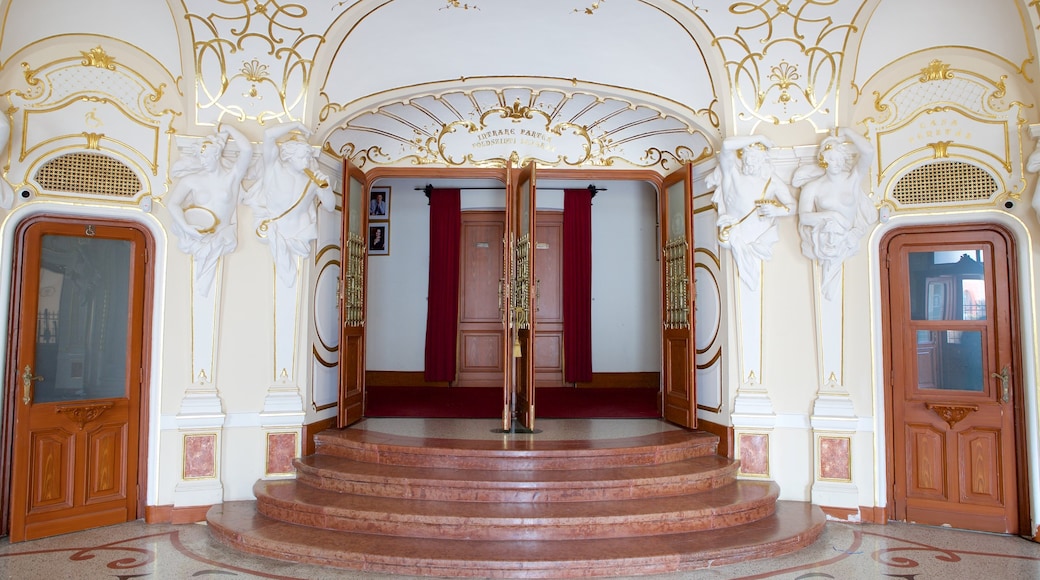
(379, 239)
(379, 204)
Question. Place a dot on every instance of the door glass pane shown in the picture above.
(948, 285)
(525, 208)
(82, 318)
(354, 201)
(950, 360)
(676, 224)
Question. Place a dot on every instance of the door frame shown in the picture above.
(1023, 341)
(11, 231)
(655, 179)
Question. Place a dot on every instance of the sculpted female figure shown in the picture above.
(749, 196)
(283, 198)
(833, 211)
(203, 203)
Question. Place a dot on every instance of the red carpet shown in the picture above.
(486, 403)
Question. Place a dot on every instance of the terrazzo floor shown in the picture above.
(844, 551)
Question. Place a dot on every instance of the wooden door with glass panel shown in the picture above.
(678, 341)
(80, 296)
(354, 254)
(950, 314)
(523, 231)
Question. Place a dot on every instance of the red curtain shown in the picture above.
(577, 285)
(442, 317)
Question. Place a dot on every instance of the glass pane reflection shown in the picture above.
(948, 285)
(82, 310)
(950, 360)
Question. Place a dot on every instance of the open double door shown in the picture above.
(518, 295)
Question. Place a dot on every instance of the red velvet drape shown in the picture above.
(577, 285)
(442, 317)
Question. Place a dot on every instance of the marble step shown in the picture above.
(344, 475)
(793, 526)
(514, 453)
(735, 504)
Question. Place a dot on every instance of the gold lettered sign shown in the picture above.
(519, 133)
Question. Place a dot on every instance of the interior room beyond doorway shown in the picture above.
(626, 350)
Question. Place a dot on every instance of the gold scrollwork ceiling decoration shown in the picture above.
(253, 58)
(776, 74)
(489, 127)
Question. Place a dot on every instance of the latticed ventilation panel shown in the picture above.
(944, 182)
(91, 173)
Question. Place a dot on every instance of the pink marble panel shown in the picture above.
(200, 456)
(281, 450)
(754, 454)
(835, 458)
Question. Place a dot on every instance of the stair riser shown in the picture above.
(412, 457)
(503, 529)
(498, 492)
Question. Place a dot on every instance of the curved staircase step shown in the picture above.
(344, 475)
(794, 525)
(735, 504)
(514, 454)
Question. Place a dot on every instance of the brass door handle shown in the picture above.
(1005, 379)
(27, 384)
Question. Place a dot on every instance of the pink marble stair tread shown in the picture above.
(625, 482)
(794, 525)
(734, 504)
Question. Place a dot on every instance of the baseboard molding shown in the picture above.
(723, 432)
(622, 380)
(168, 514)
(866, 514)
(599, 380)
(311, 429)
(399, 379)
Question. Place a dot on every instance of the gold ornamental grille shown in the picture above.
(91, 173)
(944, 182)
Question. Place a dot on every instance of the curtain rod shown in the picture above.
(428, 188)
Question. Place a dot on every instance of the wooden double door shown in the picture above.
(481, 339)
(954, 388)
(75, 374)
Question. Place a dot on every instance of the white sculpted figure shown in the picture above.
(203, 203)
(749, 196)
(833, 210)
(6, 192)
(1032, 166)
(283, 198)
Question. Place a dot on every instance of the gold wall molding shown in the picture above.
(88, 98)
(948, 114)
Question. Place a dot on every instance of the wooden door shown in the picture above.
(482, 340)
(354, 254)
(950, 311)
(80, 297)
(678, 342)
(524, 308)
(548, 298)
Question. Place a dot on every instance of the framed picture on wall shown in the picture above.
(379, 204)
(379, 239)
